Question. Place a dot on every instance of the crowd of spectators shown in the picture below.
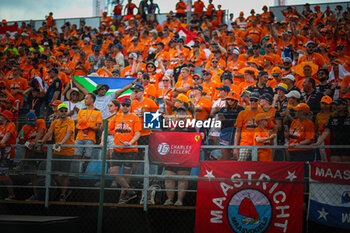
(269, 82)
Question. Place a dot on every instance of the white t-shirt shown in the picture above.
(101, 103)
(71, 106)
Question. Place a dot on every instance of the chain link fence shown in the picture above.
(93, 195)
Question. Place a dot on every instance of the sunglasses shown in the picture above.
(195, 78)
(130, 58)
(126, 105)
(136, 91)
(214, 62)
(205, 73)
(310, 47)
(286, 63)
(74, 93)
(145, 77)
(228, 99)
(253, 100)
(103, 88)
(64, 110)
(165, 80)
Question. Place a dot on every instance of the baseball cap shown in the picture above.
(53, 70)
(56, 103)
(232, 95)
(290, 77)
(125, 101)
(309, 42)
(137, 87)
(31, 118)
(262, 73)
(341, 101)
(267, 96)
(294, 94)
(62, 106)
(119, 46)
(276, 71)
(326, 99)
(182, 98)
(224, 88)
(283, 87)
(254, 95)
(302, 107)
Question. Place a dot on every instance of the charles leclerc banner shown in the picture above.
(177, 149)
(249, 206)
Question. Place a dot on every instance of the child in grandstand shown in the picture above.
(63, 131)
(30, 135)
(262, 137)
(7, 154)
(127, 127)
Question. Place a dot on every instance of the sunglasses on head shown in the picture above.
(126, 105)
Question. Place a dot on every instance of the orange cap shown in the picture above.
(241, 13)
(232, 95)
(182, 98)
(302, 107)
(276, 70)
(3, 21)
(326, 99)
(261, 116)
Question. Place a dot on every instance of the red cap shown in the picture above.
(56, 103)
(7, 114)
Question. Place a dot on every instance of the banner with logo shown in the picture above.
(248, 199)
(177, 149)
(329, 202)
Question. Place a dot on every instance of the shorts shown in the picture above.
(177, 169)
(245, 154)
(227, 136)
(5, 165)
(301, 155)
(61, 166)
(118, 17)
(84, 151)
(110, 142)
(151, 17)
(124, 156)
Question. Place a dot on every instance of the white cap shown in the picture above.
(290, 77)
(294, 94)
(235, 51)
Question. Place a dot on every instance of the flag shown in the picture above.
(177, 149)
(9, 28)
(250, 206)
(190, 36)
(90, 84)
(329, 200)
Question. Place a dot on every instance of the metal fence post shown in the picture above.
(255, 154)
(146, 179)
(103, 171)
(48, 175)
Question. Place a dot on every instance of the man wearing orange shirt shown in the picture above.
(181, 9)
(17, 85)
(106, 19)
(245, 128)
(82, 67)
(63, 130)
(198, 7)
(139, 105)
(89, 123)
(127, 127)
(210, 10)
(202, 105)
(311, 55)
(209, 84)
(150, 89)
(301, 132)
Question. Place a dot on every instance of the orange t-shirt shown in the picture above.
(30, 131)
(17, 84)
(180, 7)
(205, 106)
(147, 105)
(150, 90)
(11, 128)
(80, 72)
(60, 128)
(263, 154)
(246, 121)
(198, 7)
(125, 128)
(93, 117)
(300, 131)
(321, 120)
(102, 73)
